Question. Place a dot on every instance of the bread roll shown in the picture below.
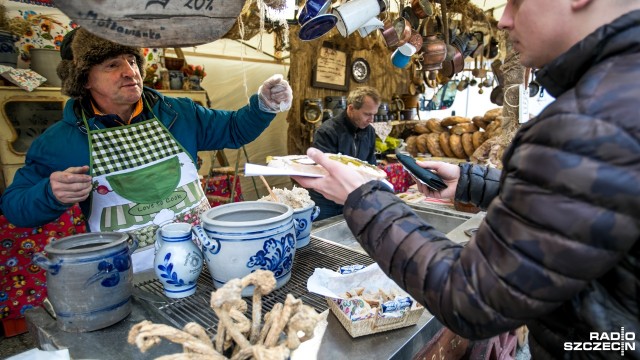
(435, 126)
(455, 143)
(433, 144)
(454, 120)
(467, 144)
(443, 139)
(478, 138)
(463, 128)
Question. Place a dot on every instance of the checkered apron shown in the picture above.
(142, 178)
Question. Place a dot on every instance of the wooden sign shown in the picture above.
(155, 23)
(330, 70)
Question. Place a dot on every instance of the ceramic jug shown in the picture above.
(178, 260)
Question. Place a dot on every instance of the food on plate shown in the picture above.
(302, 163)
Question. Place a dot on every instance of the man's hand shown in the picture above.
(448, 172)
(275, 94)
(72, 185)
(338, 184)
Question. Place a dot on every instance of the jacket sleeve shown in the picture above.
(29, 201)
(477, 185)
(220, 129)
(547, 235)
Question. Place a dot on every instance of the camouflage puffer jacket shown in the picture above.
(559, 248)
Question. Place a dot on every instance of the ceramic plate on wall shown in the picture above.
(317, 27)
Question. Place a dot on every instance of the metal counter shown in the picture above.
(149, 303)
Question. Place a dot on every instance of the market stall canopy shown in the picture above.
(155, 23)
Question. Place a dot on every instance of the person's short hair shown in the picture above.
(356, 96)
(80, 50)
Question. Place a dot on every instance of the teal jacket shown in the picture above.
(29, 200)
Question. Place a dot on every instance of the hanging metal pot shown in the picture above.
(434, 52)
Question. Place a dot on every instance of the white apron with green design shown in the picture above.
(142, 179)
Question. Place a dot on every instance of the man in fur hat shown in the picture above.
(124, 152)
(559, 247)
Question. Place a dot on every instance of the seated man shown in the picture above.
(349, 133)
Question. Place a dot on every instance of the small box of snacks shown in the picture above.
(364, 299)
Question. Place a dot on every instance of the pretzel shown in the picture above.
(467, 144)
(443, 139)
(454, 120)
(480, 122)
(478, 138)
(433, 144)
(455, 142)
(421, 128)
(435, 126)
(463, 128)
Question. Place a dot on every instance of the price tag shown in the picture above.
(523, 108)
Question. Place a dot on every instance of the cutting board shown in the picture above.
(155, 23)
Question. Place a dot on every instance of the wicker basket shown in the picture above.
(172, 63)
(375, 324)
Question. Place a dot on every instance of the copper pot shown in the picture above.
(453, 66)
(415, 39)
(422, 8)
(410, 101)
(434, 52)
(397, 33)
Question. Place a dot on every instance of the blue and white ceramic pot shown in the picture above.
(248, 236)
(89, 279)
(303, 219)
(178, 261)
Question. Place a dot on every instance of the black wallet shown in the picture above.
(427, 177)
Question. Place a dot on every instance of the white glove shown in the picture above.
(275, 95)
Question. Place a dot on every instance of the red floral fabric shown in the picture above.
(397, 176)
(22, 284)
(220, 186)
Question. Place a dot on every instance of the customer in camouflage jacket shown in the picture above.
(559, 247)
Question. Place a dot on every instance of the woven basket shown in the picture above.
(173, 63)
(375, 324)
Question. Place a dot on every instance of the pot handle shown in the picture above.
(212, 246)
(315, 213)
(41, 260)
(134, 243)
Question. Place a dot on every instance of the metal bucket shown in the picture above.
(89, 279)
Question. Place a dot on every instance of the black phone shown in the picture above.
(429, 178)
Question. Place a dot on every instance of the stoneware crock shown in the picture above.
(302, 222)
(248, 236)
(89, 279)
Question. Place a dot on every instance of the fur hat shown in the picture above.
(80, 50)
